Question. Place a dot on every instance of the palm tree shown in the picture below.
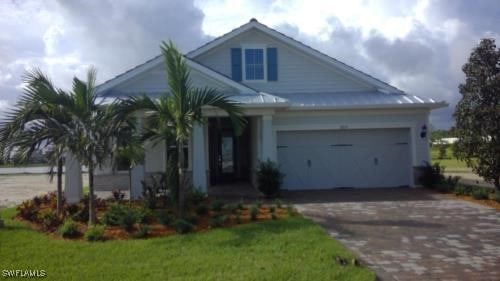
(38, 120)
(171, 116)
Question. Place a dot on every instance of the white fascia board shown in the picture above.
(370, 106)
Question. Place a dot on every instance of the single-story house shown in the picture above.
(326, 124)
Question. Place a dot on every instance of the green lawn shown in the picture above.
(288, 249)
(449, 162)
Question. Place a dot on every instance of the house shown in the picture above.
(327, 124)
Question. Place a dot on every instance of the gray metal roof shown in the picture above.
(373, 99)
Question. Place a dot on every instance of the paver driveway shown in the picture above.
(410, 234)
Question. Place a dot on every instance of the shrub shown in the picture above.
(497, 196)
(237, 218)
(72, 209)
(142, 232)
(241, 206)
(68, 229)
(269, 178)
(193, 219)
(278, 203)
(272, 209)
(258, 203)
(95, 233)
(196, 196)
(273, 216)
(480, 193)
(145, 215)
(149, 193)
(291, 211)
(165, 218)
(232, 208)
(28, 210)
(120, 215)
(48, 218)
(217, 221)
(183, 226)
(216, 206)
(254, 212)
(201, 210)
(432, 175)
(461, 189)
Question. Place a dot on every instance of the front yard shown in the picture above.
(287, 249)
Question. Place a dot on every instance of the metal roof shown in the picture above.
(374, 99)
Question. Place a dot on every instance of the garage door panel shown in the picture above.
(344, 158)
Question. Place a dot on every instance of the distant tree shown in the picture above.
(477, 114)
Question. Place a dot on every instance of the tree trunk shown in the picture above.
(59, 186)
(180, 166)
(92, 217)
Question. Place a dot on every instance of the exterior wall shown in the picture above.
(154, 81)
(412, 119)
(297, 72)
(155, 160)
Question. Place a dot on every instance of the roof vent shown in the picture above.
(253, 20)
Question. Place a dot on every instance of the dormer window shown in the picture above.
(254, 64)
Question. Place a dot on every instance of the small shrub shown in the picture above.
(432, 175)
(120, 215)
(71, 209)
(201, 210)
(232, 208)
(49, 219)
(216, 206)
(254, 212)
(497, 196)
(272, 209)
(118, 195)
(149, 193)
(37, 201)
(145, 215)
(273, 216)
(217, 221)
(461, 189)
(196, 196)
(237, 218)
(95, 233)
(278, 203)
(68, 229)
(128, 219)
(183, 226)
(241, 205)
(142, 232)
(480, 193)
(193, 219)
(165, 218)
(291, 211)
(258, 203)
(28, 210)
(269, 178)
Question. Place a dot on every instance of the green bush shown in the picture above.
(461, 189)
(237, 218)
(120, 215)
(193, 219)
(68, 229)
(216, 206)
(49, 219)
(241, 205)
(201, 210)
(254, 212)
(269, 178)
(432, 175)
(278, 203)
(480, 193)
(145, 215)
(291, 211)
(217, 221)
(232, 208)
(165, 218)
(273, 216)
(95, 233)
(196, 196)
(183, 226)
(272, 209)
(142, 232)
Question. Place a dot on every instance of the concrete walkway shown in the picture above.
(410, 234)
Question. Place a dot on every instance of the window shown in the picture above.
(254, 64)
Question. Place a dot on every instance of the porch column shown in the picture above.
(137, 172)
(268, 139)
(72, 178)
(199, 161)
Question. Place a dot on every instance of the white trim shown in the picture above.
(262, 47)
(298, 45)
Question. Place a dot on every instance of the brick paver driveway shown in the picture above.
(410, 234)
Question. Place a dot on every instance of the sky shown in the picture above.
(418, 46)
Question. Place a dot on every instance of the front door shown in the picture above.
(229, 154)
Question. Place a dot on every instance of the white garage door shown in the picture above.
(345, 158)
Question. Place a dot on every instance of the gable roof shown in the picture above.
(254, 24)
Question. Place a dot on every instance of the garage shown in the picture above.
(361, 158)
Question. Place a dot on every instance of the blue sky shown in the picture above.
(416, 45)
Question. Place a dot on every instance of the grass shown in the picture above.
(449, 162)
(288, 249)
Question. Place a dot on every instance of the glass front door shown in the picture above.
(227, 155)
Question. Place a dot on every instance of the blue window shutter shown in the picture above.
(236, 72)
(272, 64)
